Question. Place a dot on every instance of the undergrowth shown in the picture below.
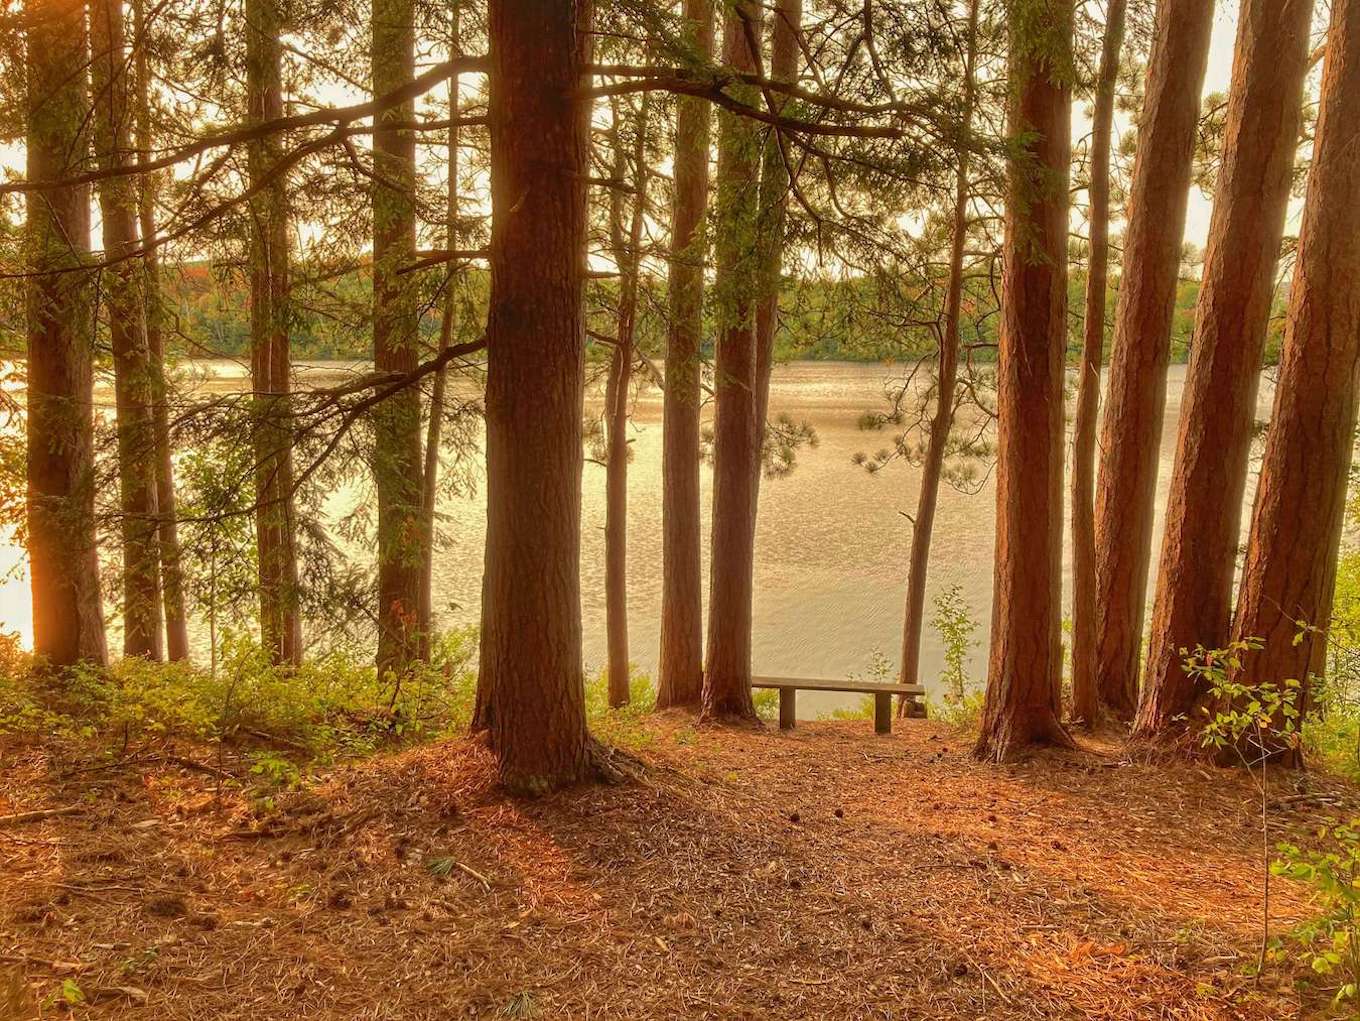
(331, 707)
(963, 714)
(622, 725)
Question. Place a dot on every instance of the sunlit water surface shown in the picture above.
(832, 540)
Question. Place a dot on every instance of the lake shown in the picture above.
(831, 545)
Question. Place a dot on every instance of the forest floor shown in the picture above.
(819, 873)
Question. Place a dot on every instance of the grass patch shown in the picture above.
(961, 714)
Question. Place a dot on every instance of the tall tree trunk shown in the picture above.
(134, 393)
(681, 657)
(1193, 603)
(1085, 700)
(1290, 571)
(1022, 705)
(947, 376)
(397, 458)
(627, 257)
(531, 686)
(1132, 427)
(172, 571)
(775, 182)
(270, 360)
(736, 436)
(429, 492)
(68, 622)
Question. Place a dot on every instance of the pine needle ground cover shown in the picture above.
(821, 873)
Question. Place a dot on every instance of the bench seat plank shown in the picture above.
(824, 684)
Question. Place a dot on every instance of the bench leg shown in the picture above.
(882, 713)
(786, 708)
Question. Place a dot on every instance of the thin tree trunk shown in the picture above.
(1193, 603)
(627, 257)
(1132, 426)
(681, 657)
(134, 393)
(947, 376)
(786, 21)
(531, 687)
(68, 622)
(172, 572)
(1085, 699)
(397, 460)
(1290, 571)
(727, 668)
(430, 480)
(1022, 706)
(270, 360)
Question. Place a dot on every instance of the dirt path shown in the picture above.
(824, 873)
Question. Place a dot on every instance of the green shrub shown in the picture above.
(954, 621)
(963, 715)
(622, 725)
(767, 703)
(862, 710)
(1331, 728)
(1254, 719)
(1330, 940)
(331, 705)
(880, 672)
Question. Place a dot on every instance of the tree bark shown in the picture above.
(681, 657)
(68, 622)
(774, 203)
(1022, 704)
(736, 437)
(270, 358)
(1136, 400)
(627, 257)
(1193, 602)
(1290, 570)
(429, 492)
(946, 377)
(397, 460)
(531, 685)
(172, 571)
(133, 389)
(1085, 699)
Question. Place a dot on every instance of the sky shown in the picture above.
(1216, 79)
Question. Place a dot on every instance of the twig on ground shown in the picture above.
(35, 816)
(469, 870)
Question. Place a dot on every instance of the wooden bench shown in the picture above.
(788, 688)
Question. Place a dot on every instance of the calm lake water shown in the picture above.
(832, 539)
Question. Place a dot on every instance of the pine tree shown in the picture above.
(1136, 396)
(1085, 698)
(680, 679)
(397, 455)
(942, 419)
(530, 685)
(270, 357)
(68, 623)
(1024, 672)
(1285, 597)
(1193, 602)
(736, 433)
(122, 286)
